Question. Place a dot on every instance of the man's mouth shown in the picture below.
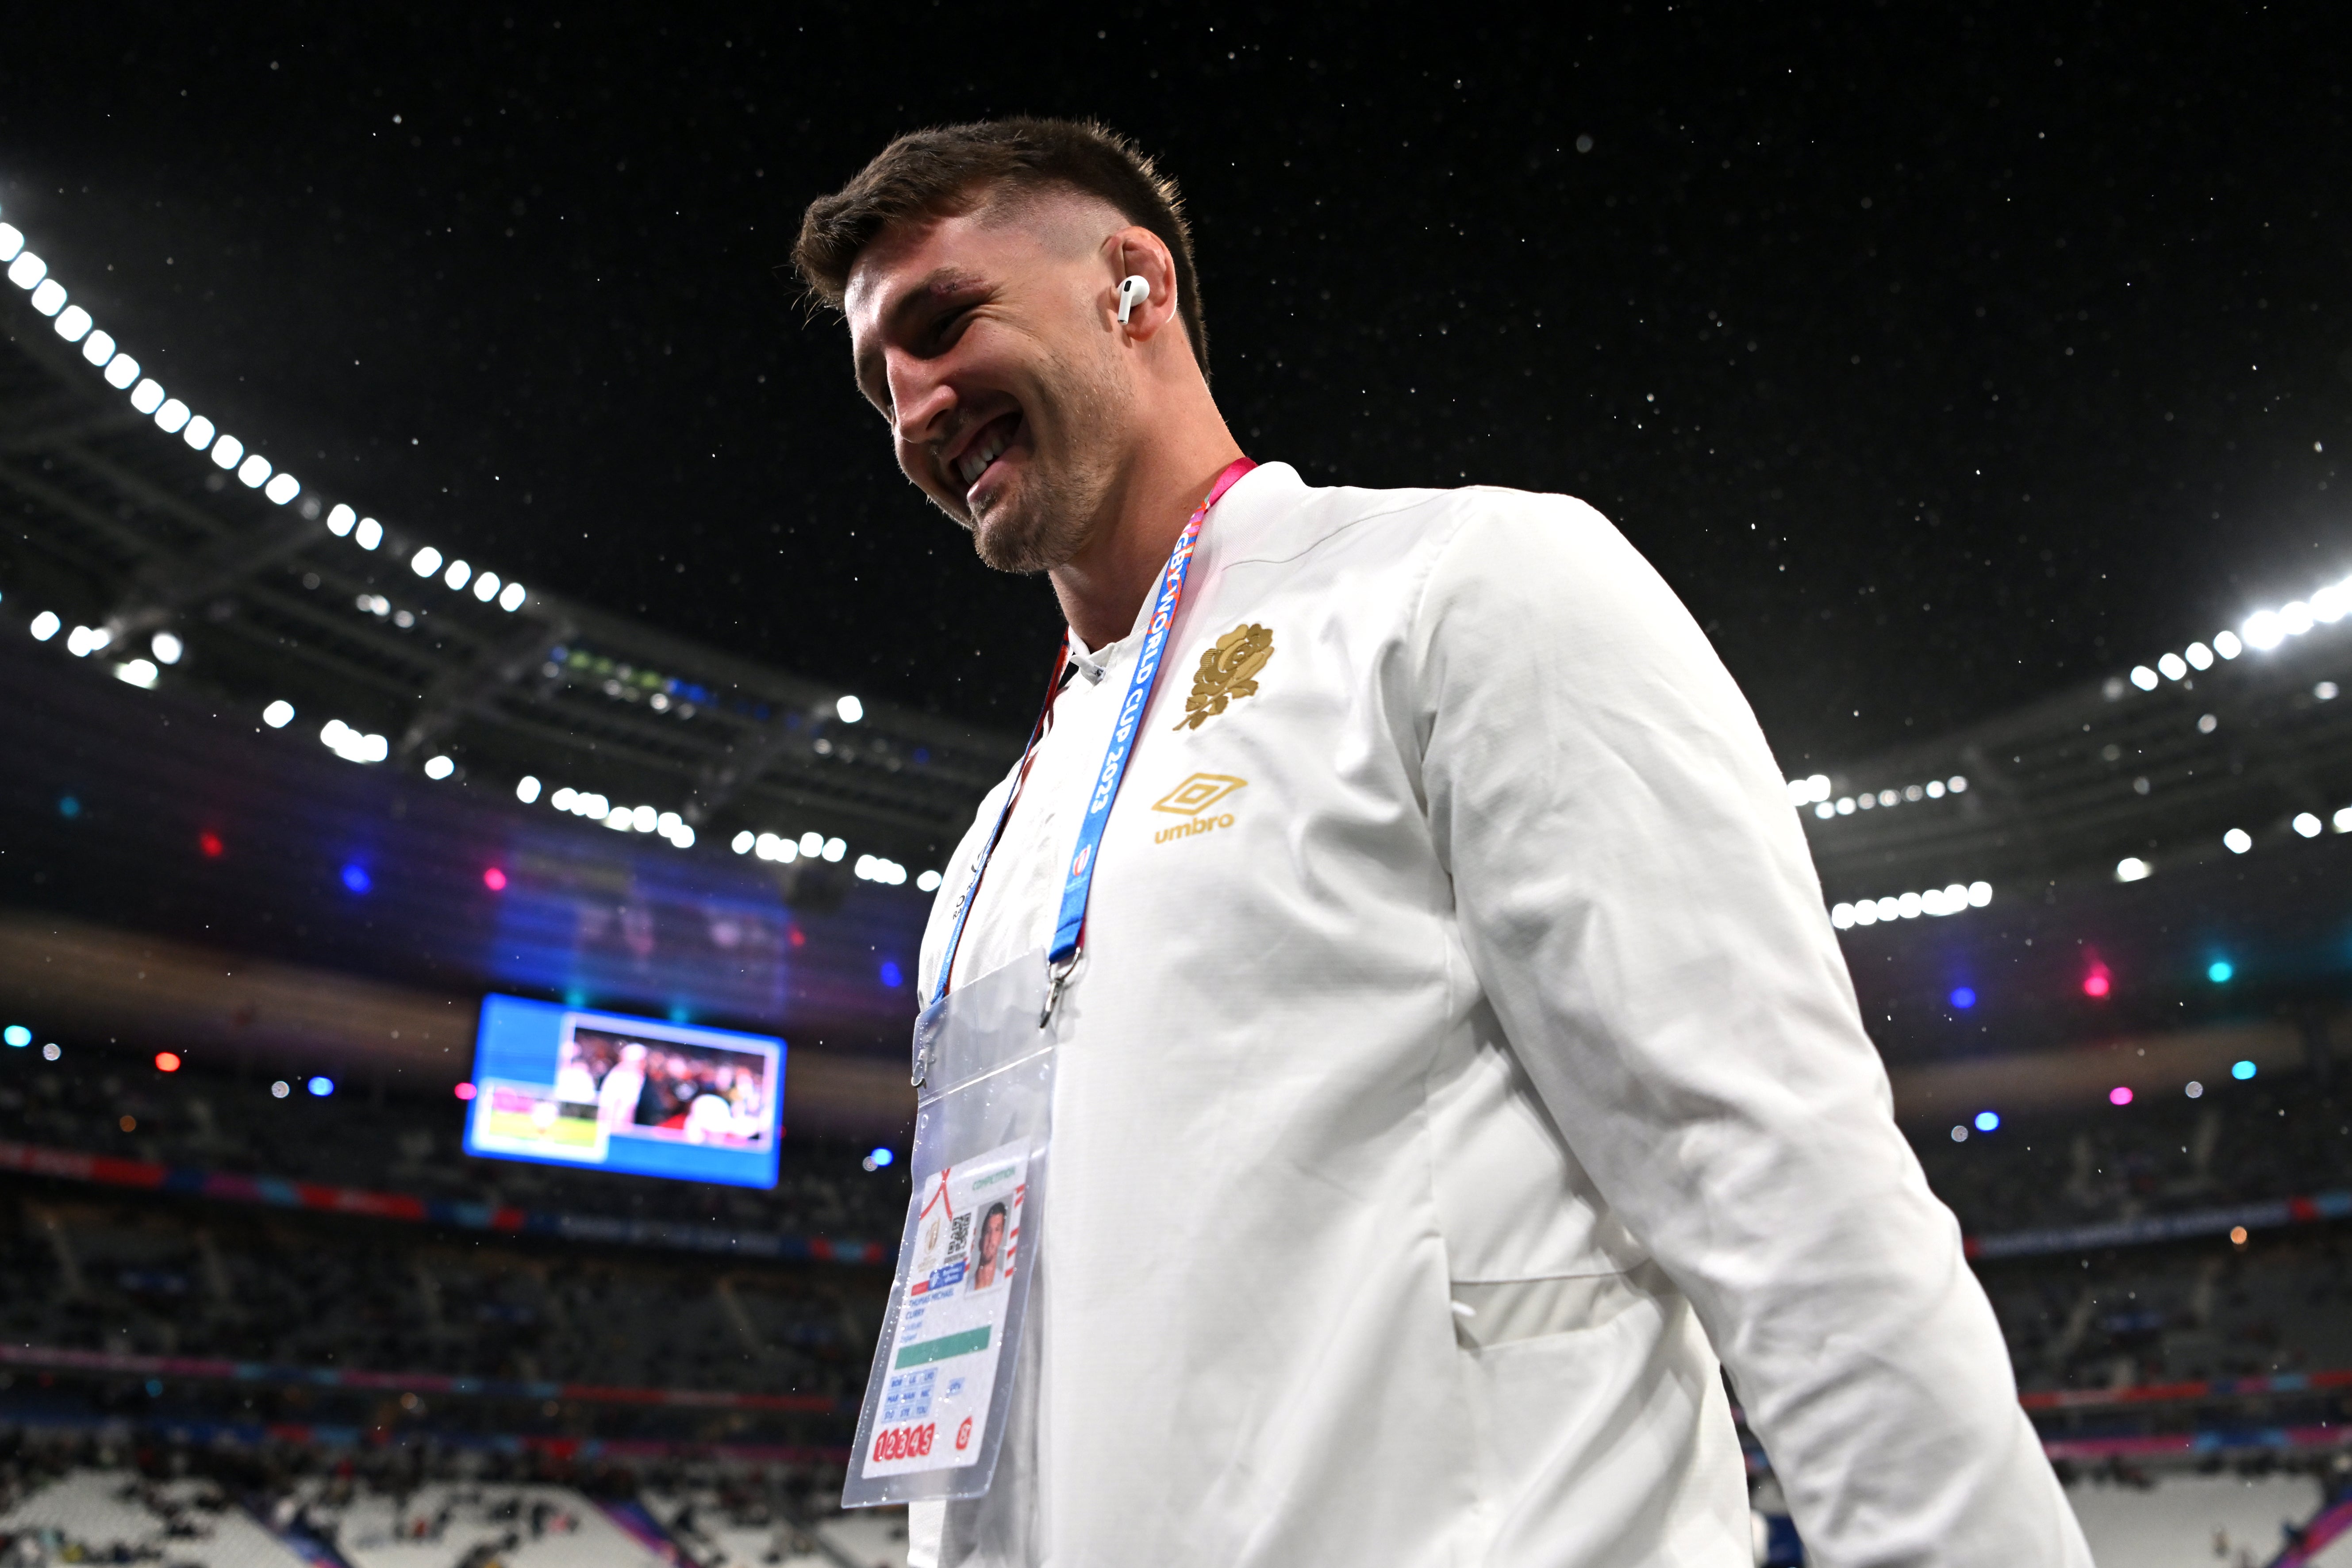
(986, 448)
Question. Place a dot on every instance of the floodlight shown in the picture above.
(227, 452)
(12, 240)
(2226, 643)
(45, 626)
(486, 586)
(120, 371)
(850, 709)
(73, 323)
(645, 819)
(2143, 677)
(835, 849)
(928, 882)
(141, 672)
(254, 471)
(97, 348)
(511, 597)
(148, 395)
(279, 715)
(2296, 617)
(369, 534)
(2307, 825)
(458, 574)
(812, 843)
(2238, 841)
(340, 519)
(2173, 666)
(2131, 868)
(526, 789)
(172, 416)
(166, 647)
(425, 561)
(49, 297)
(282, 487)
(439, 767)
(2263, 630)
(1979, 895)
(742, 843)
(27, 270)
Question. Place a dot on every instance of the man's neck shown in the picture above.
(1103, 586)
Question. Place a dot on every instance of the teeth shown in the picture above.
(974, 463)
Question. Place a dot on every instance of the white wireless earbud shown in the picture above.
(1132, 291)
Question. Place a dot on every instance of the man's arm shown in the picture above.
(1640, 904)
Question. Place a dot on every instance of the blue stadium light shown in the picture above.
(1988, 1120)
(321, 1085)
(2220, 970)
(881, 1156)
(68, 807)
(356, 878)
(892, 975)
(1963, 998)
(17, 1035)
(2242, 1071)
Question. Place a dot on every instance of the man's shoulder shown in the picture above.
(1398, 520)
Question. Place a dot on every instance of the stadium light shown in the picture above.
(438, 768)
(140, 672)
(17, 1035)
(526, 789)
(73, 323)
(458, 575)
(340, 519)
(283, 488)
(27, 270)
(2242, 1070)
(197, 433)
(2120, 1094)
(486, 586)
(147, 396)
(2238, 841)
(12, 240)
(172, 416)
(321, 1085)
(2220, 971)
(49, 297)
(511, 598)
(425, 561)
(369, 534)
(929, 882)
(45, 626)
(850, 709)
(2307, 825)
(1988, 1120)
(2131, 868)
(1963, 998)
(227, 452)
(254, 471)
(279, 715)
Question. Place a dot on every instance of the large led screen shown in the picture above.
(567, 1087)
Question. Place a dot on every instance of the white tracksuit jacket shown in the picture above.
(1461, 1061)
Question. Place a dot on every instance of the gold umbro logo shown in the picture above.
(1198, 793)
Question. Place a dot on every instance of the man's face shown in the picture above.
(984, 340)
(991, 1238)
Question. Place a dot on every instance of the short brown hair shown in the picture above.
(950, 169)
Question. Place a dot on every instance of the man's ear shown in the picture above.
(1137, 253)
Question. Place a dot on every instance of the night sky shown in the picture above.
(1939, 362)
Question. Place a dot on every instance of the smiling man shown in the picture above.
(1458, 1060)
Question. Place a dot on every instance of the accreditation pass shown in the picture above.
(940, 1375)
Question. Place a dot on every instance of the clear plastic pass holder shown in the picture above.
(936, 1403)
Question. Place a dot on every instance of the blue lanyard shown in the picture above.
(1070, 927)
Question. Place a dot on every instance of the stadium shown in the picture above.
(454, 1107)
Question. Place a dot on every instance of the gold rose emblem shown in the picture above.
(1227, 671)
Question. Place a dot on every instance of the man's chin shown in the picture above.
(1014, 539)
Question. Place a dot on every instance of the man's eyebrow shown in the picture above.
(944, 282)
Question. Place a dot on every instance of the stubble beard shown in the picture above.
(1053, 513)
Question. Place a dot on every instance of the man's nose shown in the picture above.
(921, 401)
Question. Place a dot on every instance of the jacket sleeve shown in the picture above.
(1638, 902)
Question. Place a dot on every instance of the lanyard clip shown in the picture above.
(1055, 975)
(922, 1067)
